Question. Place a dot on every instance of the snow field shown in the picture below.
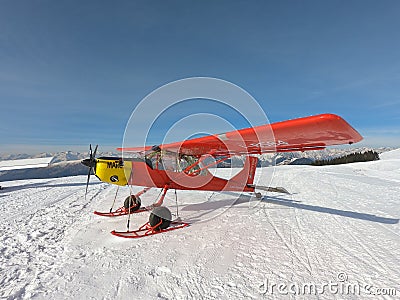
(340, 225)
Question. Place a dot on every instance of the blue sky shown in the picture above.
(71, 72)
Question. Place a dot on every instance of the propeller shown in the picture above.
(91, 163)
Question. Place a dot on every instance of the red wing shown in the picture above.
(309, 133)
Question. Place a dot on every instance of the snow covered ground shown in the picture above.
(336, 236)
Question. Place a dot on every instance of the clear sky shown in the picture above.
(71, 72)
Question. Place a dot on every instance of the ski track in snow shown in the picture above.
(337, 219)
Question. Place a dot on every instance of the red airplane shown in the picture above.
(185, 165)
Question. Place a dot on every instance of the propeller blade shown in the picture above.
(87, 182)
(90, 163)
(94, 153)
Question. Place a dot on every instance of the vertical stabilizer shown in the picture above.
(252, 169)
(247, 173)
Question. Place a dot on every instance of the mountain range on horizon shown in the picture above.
(68, 163)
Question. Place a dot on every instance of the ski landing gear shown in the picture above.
(131, 205)
(160, 219)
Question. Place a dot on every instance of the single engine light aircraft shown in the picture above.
(185, 165)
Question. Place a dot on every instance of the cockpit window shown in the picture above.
(173, 162)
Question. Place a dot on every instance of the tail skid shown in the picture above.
(270, 189)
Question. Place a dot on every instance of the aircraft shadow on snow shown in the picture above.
(210, 206)
(332, 211)
(218, 204)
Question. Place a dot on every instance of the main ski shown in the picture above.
(147, 230)
(122, 211)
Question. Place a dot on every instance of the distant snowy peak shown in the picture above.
(299, 157)
(58, 156)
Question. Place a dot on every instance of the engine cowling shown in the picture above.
(112, 170)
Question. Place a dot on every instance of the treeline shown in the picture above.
(349, 158)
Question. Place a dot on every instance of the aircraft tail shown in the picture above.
(248, 171)
(252, 169)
